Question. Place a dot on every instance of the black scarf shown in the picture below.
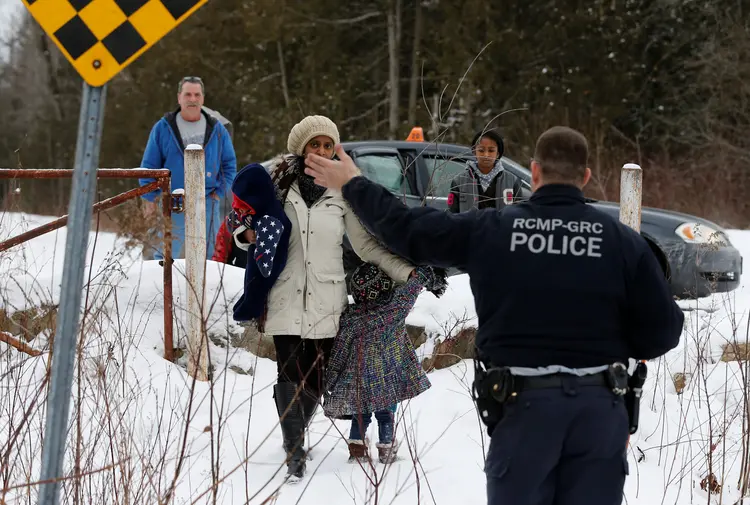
(310, 191)
(291, 169)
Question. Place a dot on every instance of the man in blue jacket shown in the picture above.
(565, 295)
(190, 124)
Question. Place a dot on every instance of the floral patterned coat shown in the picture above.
(373, 364)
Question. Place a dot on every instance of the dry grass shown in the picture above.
(452, 350)
(29, 323)
(736, 351)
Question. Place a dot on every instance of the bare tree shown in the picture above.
(394, 46)
(415, 66)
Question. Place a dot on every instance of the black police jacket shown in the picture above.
(555, 281)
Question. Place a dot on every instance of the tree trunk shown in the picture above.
(434, 116)
(394, 39)
(282, 67)
(415, 67)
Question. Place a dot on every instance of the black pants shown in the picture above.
(299, 360)
(559, 446)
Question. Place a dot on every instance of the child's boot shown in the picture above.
(387, 446)
(387, 453)
(359, 450)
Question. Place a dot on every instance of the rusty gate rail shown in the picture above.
(62, 221)
(162, 182)
(102, 173)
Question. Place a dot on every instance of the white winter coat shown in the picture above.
(310, 294)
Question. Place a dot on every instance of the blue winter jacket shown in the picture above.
(165, 150)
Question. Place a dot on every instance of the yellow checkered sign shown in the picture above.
(101, 37)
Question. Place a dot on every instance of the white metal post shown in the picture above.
(631, 195)
(195, 260)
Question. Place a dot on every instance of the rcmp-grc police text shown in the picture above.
(555, 282)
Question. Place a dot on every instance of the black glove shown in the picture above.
(247, 221)
(435, 280)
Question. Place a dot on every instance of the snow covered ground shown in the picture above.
(130, 406)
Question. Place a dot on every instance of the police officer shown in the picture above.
(564, 293)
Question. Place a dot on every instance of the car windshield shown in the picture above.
(441, 172)
(384, 169)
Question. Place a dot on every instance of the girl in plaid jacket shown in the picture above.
(373, 365)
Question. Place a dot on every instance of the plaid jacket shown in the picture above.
(373, 364)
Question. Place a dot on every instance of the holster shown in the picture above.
(633, 396)
(491, 389)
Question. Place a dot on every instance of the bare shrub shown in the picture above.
(255, 342)
(452, 350)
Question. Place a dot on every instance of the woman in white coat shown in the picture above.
(305, 303)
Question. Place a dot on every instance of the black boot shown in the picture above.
(309, 404)
(279, 412)
(292, 428)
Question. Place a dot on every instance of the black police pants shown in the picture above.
(559, 446)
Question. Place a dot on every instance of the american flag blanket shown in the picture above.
(373, 364)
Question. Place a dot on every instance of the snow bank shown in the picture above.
(143, 418)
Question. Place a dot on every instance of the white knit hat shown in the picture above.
(309, 128)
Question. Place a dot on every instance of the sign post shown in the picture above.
(99, 38)
(76, 244)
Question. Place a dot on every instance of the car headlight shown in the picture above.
(698, 233)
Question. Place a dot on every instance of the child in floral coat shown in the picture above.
(373, 365)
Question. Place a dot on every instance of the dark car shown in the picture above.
(696, 255)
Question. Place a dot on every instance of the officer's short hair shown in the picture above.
(562, 153)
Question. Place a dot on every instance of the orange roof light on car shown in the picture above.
(416, 135)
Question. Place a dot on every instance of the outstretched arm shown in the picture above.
(422, 235)
(367, 248)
